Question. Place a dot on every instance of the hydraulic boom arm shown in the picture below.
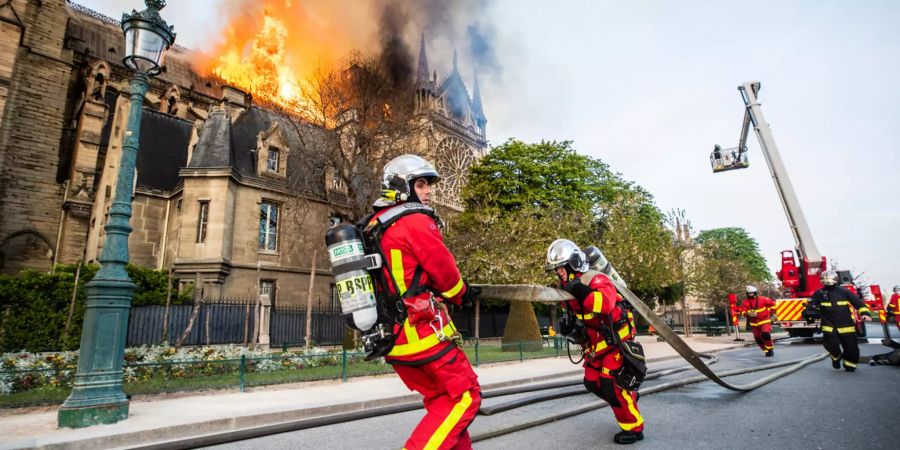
(811, 261)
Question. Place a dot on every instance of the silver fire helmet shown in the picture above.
(897, 289)
(401, 171)
(829, 278)
(564, 251)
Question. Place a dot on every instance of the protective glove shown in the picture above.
(579, 290)
(566, 325)
(472, 293)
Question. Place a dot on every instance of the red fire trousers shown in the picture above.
(452, 398)
(763, 336)
(598, 378)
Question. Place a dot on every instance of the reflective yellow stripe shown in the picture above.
(864, 309)
(587, 316)
(761, 309)
(454, 290)
(397, 270)
(415, 344)
(605, 371)
(598, 301)
(447, 425)
(827, 329)
(826, 304)
(842, 303)
(634, 412)
(849, 364)
(623, 333)
(845, 330)
(756, 324)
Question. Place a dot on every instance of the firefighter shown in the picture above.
(595, 306)
(425, 353)
(759, 312)
(834, 304)
(894, 306)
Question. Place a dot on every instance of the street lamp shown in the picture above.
(97, 396)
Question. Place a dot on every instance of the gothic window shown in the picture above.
(202, 221)
(453, 161)
(268, 226)
(337, 183)
(172, 108)
(272, 159)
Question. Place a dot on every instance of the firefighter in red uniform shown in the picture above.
(894, 306)
(759, 311)
(424, 271)
(835, 305)
(596, 305)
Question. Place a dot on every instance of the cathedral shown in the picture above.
(212, 198)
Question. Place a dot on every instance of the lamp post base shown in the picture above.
(86, 416)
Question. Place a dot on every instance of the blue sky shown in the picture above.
(650, 86)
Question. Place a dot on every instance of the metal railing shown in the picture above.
(28, 387)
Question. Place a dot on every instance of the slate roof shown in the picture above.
(215, 148)
(163, 147)
(101, 37)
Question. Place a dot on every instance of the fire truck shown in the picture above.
(800, 267)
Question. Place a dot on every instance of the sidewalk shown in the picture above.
(153, 418)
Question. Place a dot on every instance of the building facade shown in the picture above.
(226, 190)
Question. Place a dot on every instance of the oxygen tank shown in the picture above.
(597, 260)
(351, 278)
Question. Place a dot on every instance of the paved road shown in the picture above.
(818, 407)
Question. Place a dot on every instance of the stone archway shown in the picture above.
(25, 249)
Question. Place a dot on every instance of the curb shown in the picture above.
(151, 436)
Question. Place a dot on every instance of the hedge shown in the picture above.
(34, 305)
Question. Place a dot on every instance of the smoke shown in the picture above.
(481, 47)
(395, 54)
(450, 24)
(324, 32)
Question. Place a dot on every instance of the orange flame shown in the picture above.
(270, 47)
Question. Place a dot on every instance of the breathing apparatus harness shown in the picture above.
(391, 308)
(633, 370)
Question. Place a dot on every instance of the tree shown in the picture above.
(544, 191)
(725, 261)
(736, 243)
(371, 112)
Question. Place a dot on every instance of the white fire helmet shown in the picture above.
(751, 290)
(897, 289)
(829, 278)
(564, 251)
(398, 175)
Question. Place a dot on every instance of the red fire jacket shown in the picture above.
(761, 306)
(411, 242)
(597, 309)
(894, 304)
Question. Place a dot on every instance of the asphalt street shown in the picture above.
(817, 407)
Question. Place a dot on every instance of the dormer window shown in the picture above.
(272, 159)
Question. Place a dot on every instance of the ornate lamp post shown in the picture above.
(97, 397)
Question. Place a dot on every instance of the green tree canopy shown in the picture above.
(520, 197)
(735, 243)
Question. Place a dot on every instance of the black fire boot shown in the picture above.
(770, 353)
(836, 363)
(628, 437)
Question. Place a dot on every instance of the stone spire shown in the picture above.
(476, 99)
(422, 73)
(455, 64)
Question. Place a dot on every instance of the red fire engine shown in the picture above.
(800, 268)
